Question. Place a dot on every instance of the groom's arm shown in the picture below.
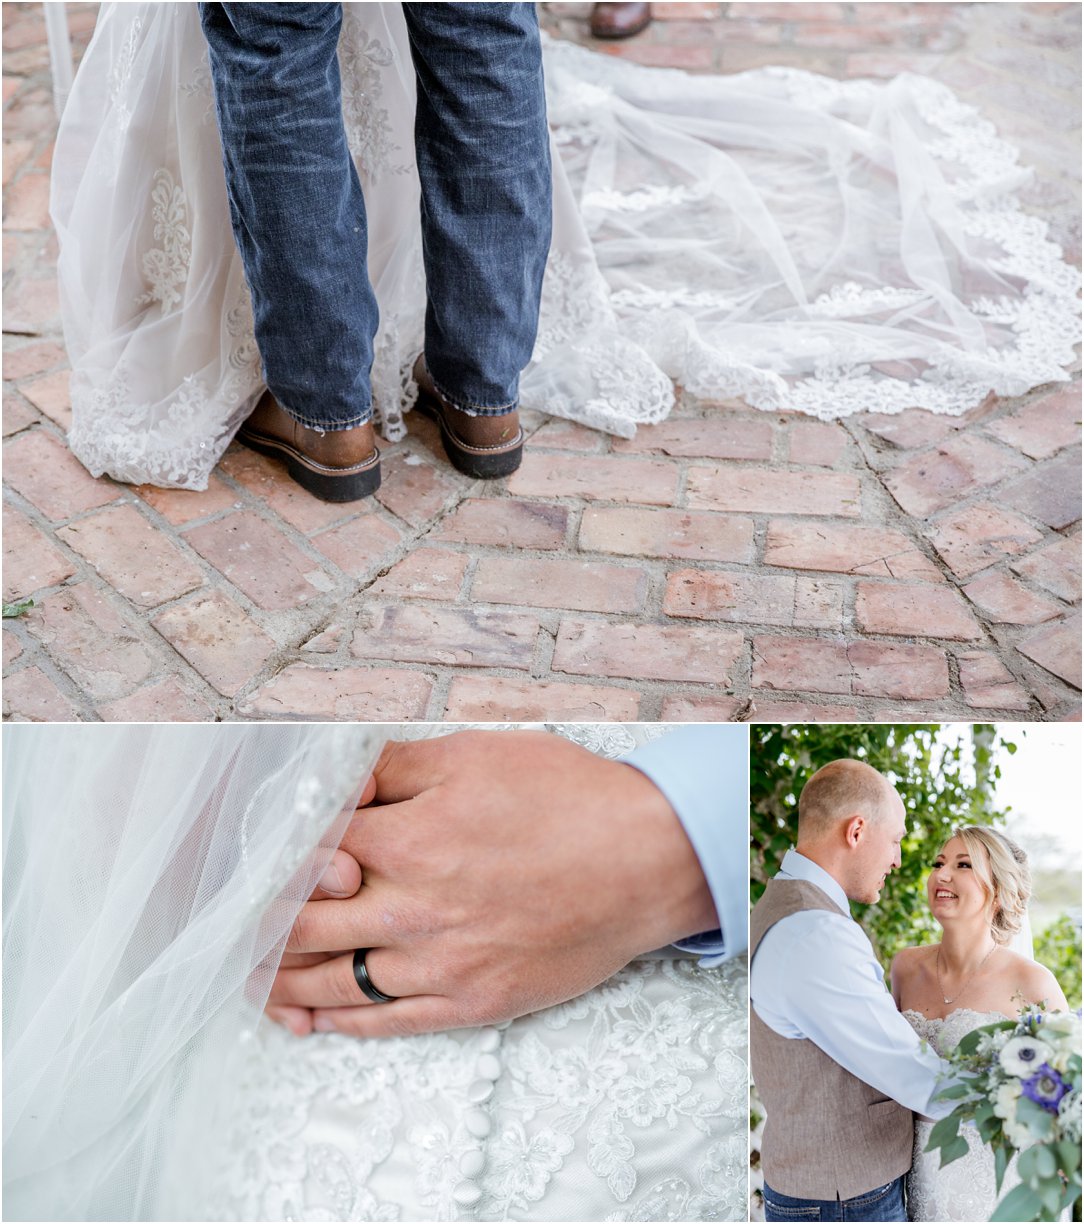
(704, 772)
(503, 873)
(815, 976)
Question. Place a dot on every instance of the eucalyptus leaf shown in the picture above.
(1001, 1163)
(1034, 1117)
(953, 1150)
(943, 1132)
(1020, 1204)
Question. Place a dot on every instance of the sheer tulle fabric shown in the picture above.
(151, 876)
(797, 242)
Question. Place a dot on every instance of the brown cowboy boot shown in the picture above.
(336, 465)
(480, 446)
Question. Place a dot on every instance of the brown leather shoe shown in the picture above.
(480, 446)
(338, 465)
(619, 20)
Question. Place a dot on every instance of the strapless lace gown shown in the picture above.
(963, 1190)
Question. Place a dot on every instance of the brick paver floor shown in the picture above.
(725, 564)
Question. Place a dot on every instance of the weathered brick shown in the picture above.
(970, 540)
(567, 435)
(27, 203)
(31, 305)
(930, 482)
(134, 557)
(901, 609)
(696, 535)
(596, 478)
(583, 586)
(100, 646)
(701, 438)
(1049, 493)
(755, 599)
(499, 698)
(769, 491)
(1055, 568)
(13, 648)
(505, 521)
(913, 429)
(426, 573)
(51, 395)
(259, 560)
(766, 708)
(844, 548)
(32, 358)
(1043, 428)
(1005, 601)
(18, 415)
(873, 669)
(417, 633)
(816, 443)
(30, 560)
(354, 694)
(48, 475)
(989, 685)
(30, 696)
(219, 639)
(1057, 648)
(682, 708)
(361, 546)
(166, 701)
(267, 479)
(646, 652)
(415, 489)
(182, 506)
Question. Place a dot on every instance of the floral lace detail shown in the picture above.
(362, 60)
(166, 267)
(963, 1190)
(120, 74)
(626, 1103)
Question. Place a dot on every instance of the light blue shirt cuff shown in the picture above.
(703, 771)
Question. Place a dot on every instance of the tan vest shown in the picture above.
(827, 1135)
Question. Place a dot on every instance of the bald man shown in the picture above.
(840, 1071)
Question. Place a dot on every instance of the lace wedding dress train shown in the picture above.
(149, 885)
(794, 241)
(964, 1189)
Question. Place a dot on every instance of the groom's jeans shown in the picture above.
(298, 215)
(884, 1203)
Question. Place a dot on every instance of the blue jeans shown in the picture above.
(298, 214)
(884, 1203)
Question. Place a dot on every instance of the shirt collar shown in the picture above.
(796, 866)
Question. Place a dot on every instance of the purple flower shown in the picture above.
(1045, 1088)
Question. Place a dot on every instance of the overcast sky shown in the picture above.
(1042, 784)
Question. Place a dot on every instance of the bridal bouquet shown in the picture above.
(1019, 1083)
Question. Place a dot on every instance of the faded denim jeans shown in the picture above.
(298, 213)
(883, 1203)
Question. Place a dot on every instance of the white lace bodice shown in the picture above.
(963, 1190)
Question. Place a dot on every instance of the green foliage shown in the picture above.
(941, 784)
(1058, 947)
(21, 608)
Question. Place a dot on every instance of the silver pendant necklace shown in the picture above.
(941, 985)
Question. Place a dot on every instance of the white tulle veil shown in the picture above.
(151, 876)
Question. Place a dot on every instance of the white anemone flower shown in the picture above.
(1024, 1055)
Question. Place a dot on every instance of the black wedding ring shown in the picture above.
(365, 982)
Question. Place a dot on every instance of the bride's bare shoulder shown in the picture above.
(1033, 981)
(915, 961)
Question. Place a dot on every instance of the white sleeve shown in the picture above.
(818, 978)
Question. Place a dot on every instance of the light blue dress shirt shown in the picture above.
(814, 975)
(703, 771)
